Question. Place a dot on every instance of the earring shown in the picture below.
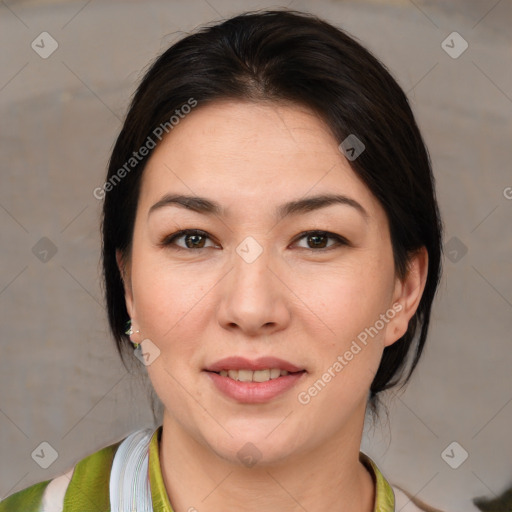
(129, 331)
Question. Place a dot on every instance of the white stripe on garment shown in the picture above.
(129, 479)
(53, 496)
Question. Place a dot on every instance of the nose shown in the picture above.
(254, 296)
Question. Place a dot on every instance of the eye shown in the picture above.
(318, 240)
(193, 238)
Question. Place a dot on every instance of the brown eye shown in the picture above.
(193, 239)
(317, 240)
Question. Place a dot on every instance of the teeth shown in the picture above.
(243, 375)
(274, 373)
(260, 376)
(254, 376)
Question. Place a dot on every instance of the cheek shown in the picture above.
(169, 304)
(170, 311)
(349, 304)
(348, 298)
(161, 291)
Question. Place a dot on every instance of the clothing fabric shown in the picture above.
(126, 477)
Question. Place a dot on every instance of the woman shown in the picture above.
(271, 235)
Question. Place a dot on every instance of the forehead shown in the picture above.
(256, 151)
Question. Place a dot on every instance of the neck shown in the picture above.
(328, 477)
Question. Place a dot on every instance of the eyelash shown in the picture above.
(169, 240)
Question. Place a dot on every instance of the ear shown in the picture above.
(407, 295)
(124, 270)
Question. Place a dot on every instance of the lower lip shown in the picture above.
(255, 392)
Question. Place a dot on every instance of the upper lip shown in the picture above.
(262, 363)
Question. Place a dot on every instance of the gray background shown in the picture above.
(60, 376)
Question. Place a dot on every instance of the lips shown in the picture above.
(262, 363)
(257, 390)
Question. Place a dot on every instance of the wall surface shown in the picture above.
(60, 376)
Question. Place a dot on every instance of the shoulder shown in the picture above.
(408, 503)
(65, 492)
(387, 494)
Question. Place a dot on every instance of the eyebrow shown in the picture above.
(209, 207)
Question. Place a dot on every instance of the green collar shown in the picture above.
(156, 481)
(384, 497)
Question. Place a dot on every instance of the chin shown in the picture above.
(256, 446)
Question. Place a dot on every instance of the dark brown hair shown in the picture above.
(289, 56)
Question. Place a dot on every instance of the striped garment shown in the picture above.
(126, 477)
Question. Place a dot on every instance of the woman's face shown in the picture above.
(254, 284)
